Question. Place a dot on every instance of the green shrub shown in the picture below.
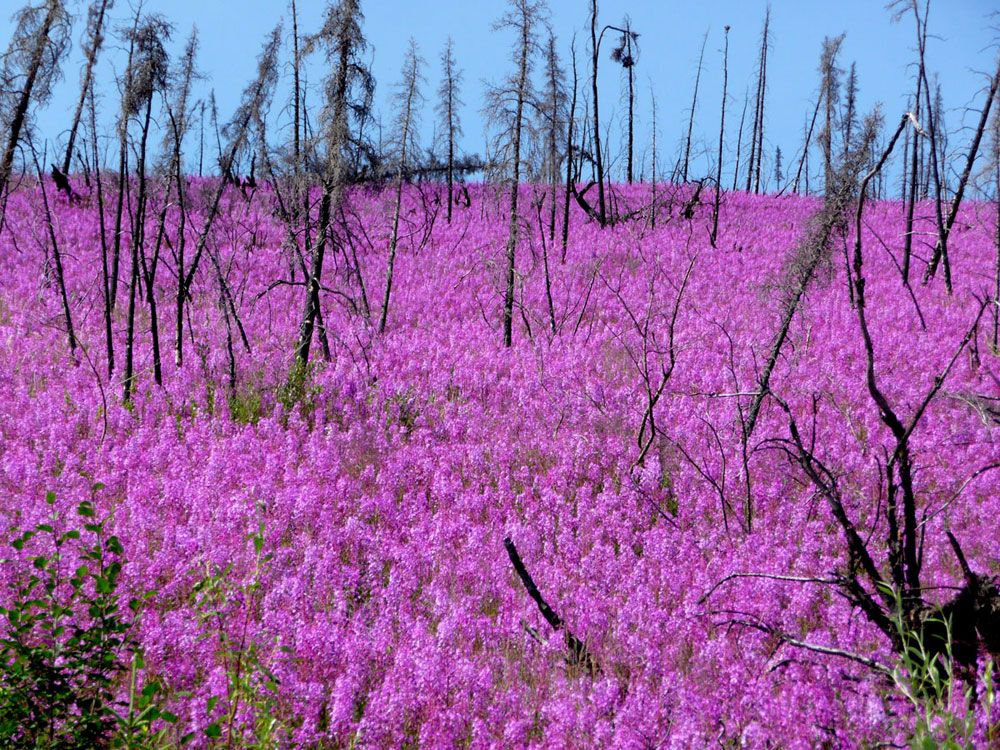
(65, 643)
(945, 708)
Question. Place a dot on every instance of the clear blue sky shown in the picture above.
(962, 53)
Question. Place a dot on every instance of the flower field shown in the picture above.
(319, 550)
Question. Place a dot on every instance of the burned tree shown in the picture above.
(830, 91)
(408, 101)
(570, 177)
(595, 50)
(553, 118)
(179, 118)
(91, 47)
(694, 107)
(449, 100)
(722, 132)
(801, 269)
(901, 8)
(757, 135)
(849, 117)
(626, 54)
(348, 89)
(29, 70)
(507, 103)
(255, 100)
(941, 248)
(105, 269)
(147, 77)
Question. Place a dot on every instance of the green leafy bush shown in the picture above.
(65, 643)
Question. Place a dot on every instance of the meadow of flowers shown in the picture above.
(322, 554)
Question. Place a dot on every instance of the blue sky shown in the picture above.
(961, 53)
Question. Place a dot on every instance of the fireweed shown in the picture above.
(339, 533)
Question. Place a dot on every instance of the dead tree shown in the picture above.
(653, 205)
(849, 117)
(579, 654)
(570, 131)
(29, 70)
(801, 268)
(507, 103)
(56, 254)
(124, 119)
(91, 48)
(552, 115)
(830, 91)
(694, 106)
(595, 49)
(739, 138)
(348, 90)
(902, 7)
(449, 100)
(722, 132)
(626, 54)
(254, 101)
(105, 270)
(147, 77)
(890, 594)
(916, 146)
(408, 101)
(757, 136)
(941, 248)
(179, 118)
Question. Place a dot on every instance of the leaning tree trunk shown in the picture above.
(95, 47)
(941, 249)
(24, 100)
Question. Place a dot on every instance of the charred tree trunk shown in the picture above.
(56, 256)
(739, 139)
(602, 214)
(41, 40)
(105, 272)
(914, 187)
(411, 76)
(93, 49)
(804, 160)
(941, 249)
(722, 132)
(694, 106)
(513, 220)
(570, 183)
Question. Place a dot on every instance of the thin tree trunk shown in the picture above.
(138, 238)
(722, 132)
(57, 257)
(694, 105)
(805, 148)
(653, 207)
(739, 138)
(602, 215)
(24, 99)
(105, 275)
(762, 96)
(512, 229)
(941, 249)
(122, 167)
(570, 127)
(394, 240)
(914, 176)
(95, 47)
(631, 120)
